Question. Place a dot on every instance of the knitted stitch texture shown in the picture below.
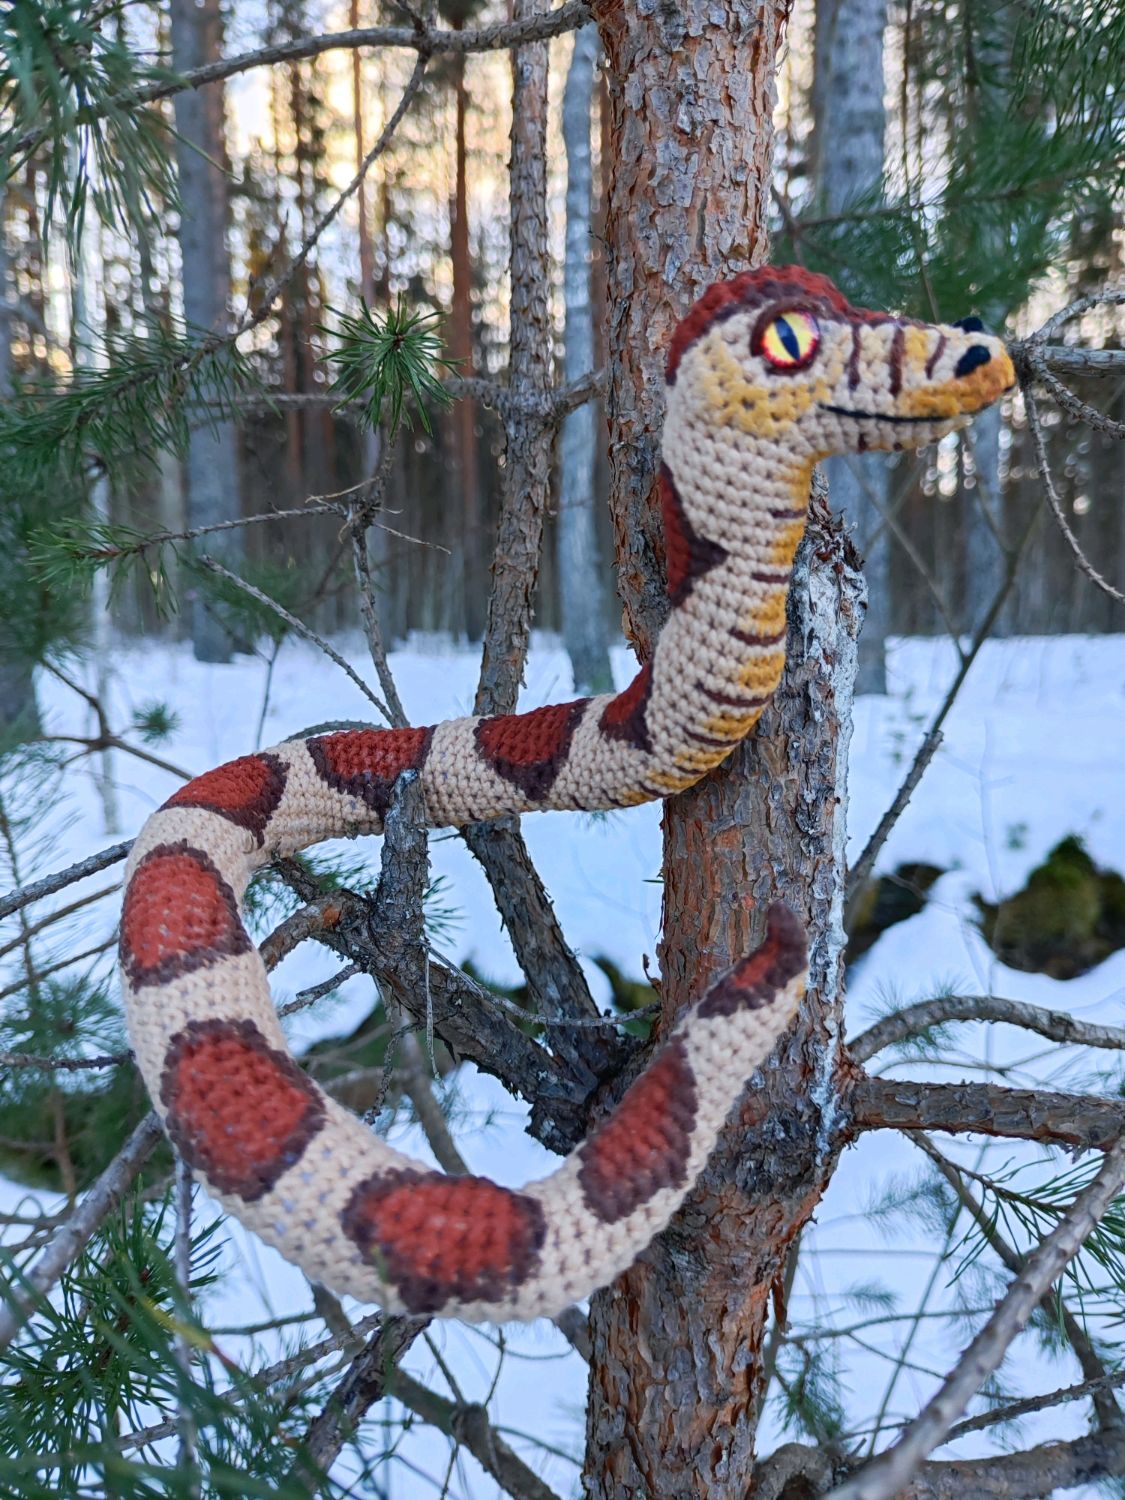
(768, 373)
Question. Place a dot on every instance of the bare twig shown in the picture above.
(1058, 1025)
(296, 624)
(36, 976)
(304, 998)
(1031, 1404)
(857, 875)
(887, 1475)
(32, 929)
(15, 900)
(318, 915)
(65, 1064)
(188, 1458)
(367, 1381)
(1084, 563)
(420, 38)
(1109, 1415)
(467, 1423)
(273, 290)
(71, 1238)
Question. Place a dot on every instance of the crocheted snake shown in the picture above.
(768, 373)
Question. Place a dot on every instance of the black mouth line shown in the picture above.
(876, 416)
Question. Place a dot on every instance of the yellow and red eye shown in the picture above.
(789, 341)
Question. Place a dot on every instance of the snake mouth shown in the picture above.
(878, 416)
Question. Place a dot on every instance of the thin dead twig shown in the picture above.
(888, 1474)
(467, 1423)
(1053, 498)
(15, 900)
(1057, 1025)
(306, 631)
(1032, 1404)
(72, 1237)
(1108, 1412)
(857, 875)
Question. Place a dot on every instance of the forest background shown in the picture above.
(212, 301)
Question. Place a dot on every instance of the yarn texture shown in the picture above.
(768, 373)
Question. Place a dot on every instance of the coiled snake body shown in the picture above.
(768, 373)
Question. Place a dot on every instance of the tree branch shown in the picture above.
(1056, 1025)
(467, 1423)
(1082, 1122)
(365, 1383)
(22, 896)
(71, 1238)
(1109, 1415)
(888, 1474)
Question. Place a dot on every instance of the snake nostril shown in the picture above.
(972, 359)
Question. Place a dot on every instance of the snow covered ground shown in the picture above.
(1033, 751)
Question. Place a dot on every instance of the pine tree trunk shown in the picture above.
(848, 133)
(677, 1369)
(581, 583)
(461, 348)
(212, 463)
(19, 712)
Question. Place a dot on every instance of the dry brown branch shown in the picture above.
(16, 900)
(1084, 563)
(1053, 1306)
(420, 38)
(467, 1423)
(1080, 1121)
(1045, 1470)
(1032, 1404)
(303, 630)
(71, 1238)
(366, 1382)
(886, 1475)
(857, 876)
(1057, 1025)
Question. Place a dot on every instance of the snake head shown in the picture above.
(778, 354)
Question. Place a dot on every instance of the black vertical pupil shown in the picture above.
(788, 337)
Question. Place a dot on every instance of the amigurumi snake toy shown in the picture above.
(767, 373)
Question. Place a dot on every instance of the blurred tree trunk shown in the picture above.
(849, 129)
(212, 462)
(581, 584)
(19, 712)
(677, 1369)
(461, 349)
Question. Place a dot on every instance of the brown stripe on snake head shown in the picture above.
(645, 1144)
(758, 979)
(623, 717)
(529, 749)
(689, 556)
(244, 791)
(239, 1110)
(440, 1239)
(366, 763)
(179, 915)
(898, 346)
(939, 350)
(854, 357)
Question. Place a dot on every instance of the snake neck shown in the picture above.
(734, 509)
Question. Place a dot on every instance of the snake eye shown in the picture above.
(789, 341)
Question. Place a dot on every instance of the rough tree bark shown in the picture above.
(581, 582)
(676, 1365)
(212, 462)
(848, 140)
